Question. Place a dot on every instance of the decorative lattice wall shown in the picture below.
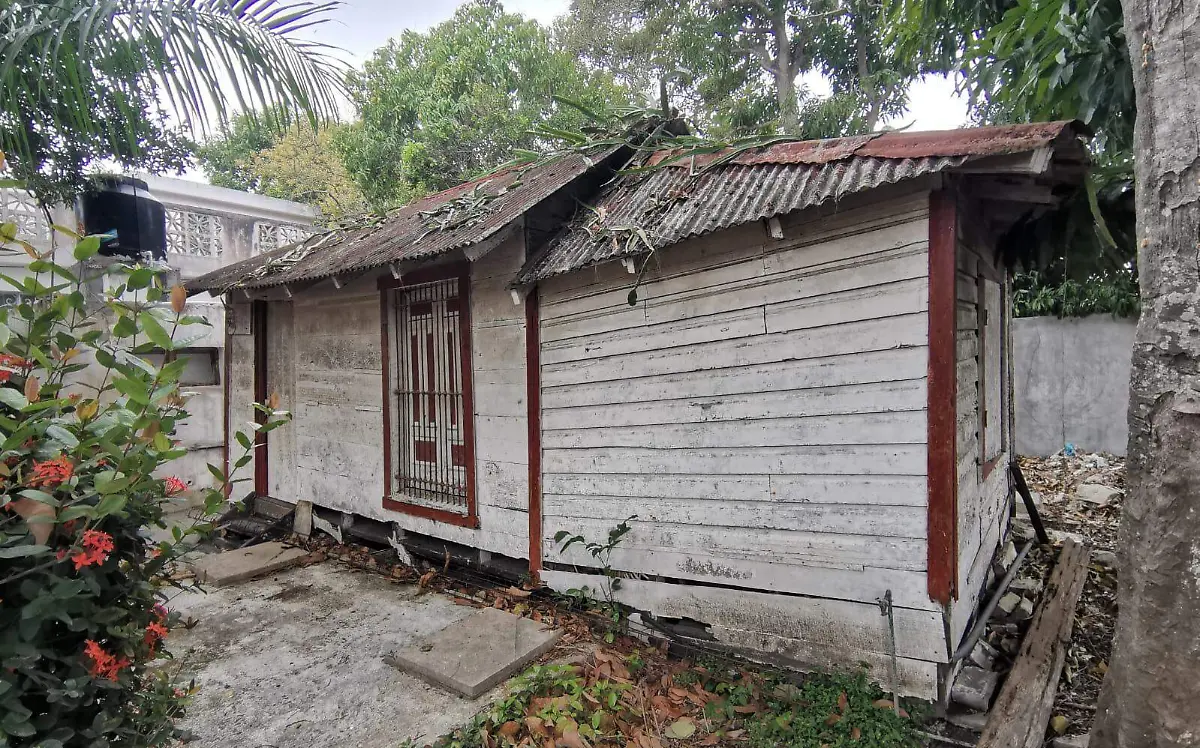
(191, 233)
(268, 236)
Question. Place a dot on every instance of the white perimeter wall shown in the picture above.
(1072, 383)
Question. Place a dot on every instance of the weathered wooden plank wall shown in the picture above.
(325, 361)
(982, 520)
(762, 410)
(241, 388)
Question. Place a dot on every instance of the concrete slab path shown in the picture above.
(471, 656)
(241, 564)
(295, 660)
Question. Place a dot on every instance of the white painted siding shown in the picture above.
(325, 360)
(762, 410)
(982, 518)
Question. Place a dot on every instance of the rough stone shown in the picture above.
(1096, 494)
(1022, 512)
(231, 567)
(1028, 585)
(302, 520)
(1107, 559)
(983, 655)
(1008, 554)
(471, 656)
(968, 720)
(1008, 603)
(1072, 741)
(973, 688)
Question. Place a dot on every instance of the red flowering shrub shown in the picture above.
(85, 424)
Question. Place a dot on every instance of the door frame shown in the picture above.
(387, 286)
(259, 329)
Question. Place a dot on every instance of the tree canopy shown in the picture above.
(441, 107)
(734, 67)
(82, 80)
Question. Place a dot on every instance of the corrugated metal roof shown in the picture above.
(683, 198)
(405, 233)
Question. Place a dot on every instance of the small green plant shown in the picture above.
(834, 710)
(602, 552)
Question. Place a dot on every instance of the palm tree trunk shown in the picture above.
(1151, 696)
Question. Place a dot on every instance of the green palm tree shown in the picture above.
(86, 82)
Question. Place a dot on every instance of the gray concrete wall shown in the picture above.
(1072, 383)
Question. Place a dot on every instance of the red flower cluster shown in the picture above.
(51, 473)
(10, 364)
(173, 485)
(97, 545)
(103, 665)
(155, 632)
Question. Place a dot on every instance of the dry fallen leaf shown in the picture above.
(681, 729)
(855, 734)
(882, 704)
(39, 517)
(426, 578)
(843, 702)
(509, 730)
(833, 719)
(178, 299)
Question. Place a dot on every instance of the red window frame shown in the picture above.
(387, 286)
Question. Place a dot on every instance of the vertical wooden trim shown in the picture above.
(468, 384)
(385, 346)
(943, 396)
(533, 403)
(258, 321)
(226, 390)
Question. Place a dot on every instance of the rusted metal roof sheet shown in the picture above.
(692, 196)
(405, 233)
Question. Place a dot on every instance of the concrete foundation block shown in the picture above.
(231, 567)
(471, 656)
(302, 520)
(973, 688)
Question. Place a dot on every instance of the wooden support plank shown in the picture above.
(1019, 716)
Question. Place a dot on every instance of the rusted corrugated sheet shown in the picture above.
(403, 234)
(683, 198)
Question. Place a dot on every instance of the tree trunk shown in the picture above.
(785, 74)
(1151, 697)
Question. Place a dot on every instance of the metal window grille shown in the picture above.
(431, 428)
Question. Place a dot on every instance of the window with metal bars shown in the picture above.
(430, 414)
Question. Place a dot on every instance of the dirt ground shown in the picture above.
(295, 660)
(1057, 479)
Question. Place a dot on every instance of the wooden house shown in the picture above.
(805, 400)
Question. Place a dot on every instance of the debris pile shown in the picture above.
(1078, 496)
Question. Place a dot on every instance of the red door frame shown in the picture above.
(258, 326)
(943, 397)
(533, 403)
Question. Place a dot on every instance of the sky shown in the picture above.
(359, 27)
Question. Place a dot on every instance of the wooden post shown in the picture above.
(1019, 716)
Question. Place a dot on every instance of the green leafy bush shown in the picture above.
(1036, 296)
(86, 426)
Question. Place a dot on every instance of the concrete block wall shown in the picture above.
(248, 224)
(1072, 383)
